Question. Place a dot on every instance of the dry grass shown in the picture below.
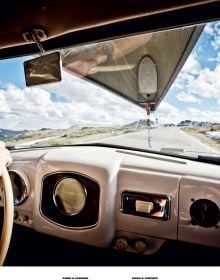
(70, 136)
(199, 133)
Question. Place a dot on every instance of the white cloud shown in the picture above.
(167, 113)
(211, 59)
(192, 65)
(4, 108)
(213, 29)
(216, 43)
(209, 29)
(190, 71)
(215, 59)
(87, 104)
(200, 115)
(187, 97)
(194, 81)
(218, 57)
(207, 84)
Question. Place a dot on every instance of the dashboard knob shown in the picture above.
(23, 218)
(121, 244)
(16, 215)
(140, 246)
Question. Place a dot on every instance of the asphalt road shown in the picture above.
(160, 138)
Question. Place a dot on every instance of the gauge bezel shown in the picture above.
(89, 215)
(24, 187)
(83, 190)
(204, 217)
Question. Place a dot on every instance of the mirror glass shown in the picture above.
(43, 69)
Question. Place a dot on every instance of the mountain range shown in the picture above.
(196, 123)
(143, 122)
(5, 133)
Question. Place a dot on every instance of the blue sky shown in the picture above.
(12, 71)
(195, 95)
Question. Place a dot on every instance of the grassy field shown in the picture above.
(69, 136)
(199, 133)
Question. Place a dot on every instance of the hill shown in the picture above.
(5, 133)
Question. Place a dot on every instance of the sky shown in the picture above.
(194, 95)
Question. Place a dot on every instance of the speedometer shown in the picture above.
(69, 196)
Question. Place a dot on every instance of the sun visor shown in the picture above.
(139, 68)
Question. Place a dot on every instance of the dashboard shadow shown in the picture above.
(30, 248)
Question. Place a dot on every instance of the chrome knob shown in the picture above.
(121, 244)
(140, 246)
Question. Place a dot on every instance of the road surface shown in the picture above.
(160, 138)
(29, 143)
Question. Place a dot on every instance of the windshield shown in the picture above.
(155, 91)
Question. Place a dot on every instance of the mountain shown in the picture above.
(45, 129)
(5, 133)
(196, 123)
(141, 122)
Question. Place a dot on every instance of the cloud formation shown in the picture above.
(167, 113)
(213, 30)
(187, 97)
(78, 103)
(195, 84)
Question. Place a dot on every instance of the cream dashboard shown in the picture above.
(118, 198)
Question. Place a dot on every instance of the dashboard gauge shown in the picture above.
(204, 213)
(69, 196)
(19, 187)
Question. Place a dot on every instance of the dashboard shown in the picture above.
(116, 198)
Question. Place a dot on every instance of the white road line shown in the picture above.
(36, 141)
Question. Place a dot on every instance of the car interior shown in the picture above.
(106, 203)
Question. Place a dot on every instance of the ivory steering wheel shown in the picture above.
(8, 215)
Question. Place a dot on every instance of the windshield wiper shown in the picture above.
(12, 148)
(213, 158)
(209, 159)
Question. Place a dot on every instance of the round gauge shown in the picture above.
(69, 196)
(19, 187)
(204, 213)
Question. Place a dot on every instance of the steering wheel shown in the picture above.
(8, 215)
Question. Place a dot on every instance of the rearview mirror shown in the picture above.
(43, 69)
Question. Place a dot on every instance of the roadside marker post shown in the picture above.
(148, 109)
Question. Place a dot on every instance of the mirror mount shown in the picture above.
(36, 35)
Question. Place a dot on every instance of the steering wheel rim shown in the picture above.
(8, 216)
